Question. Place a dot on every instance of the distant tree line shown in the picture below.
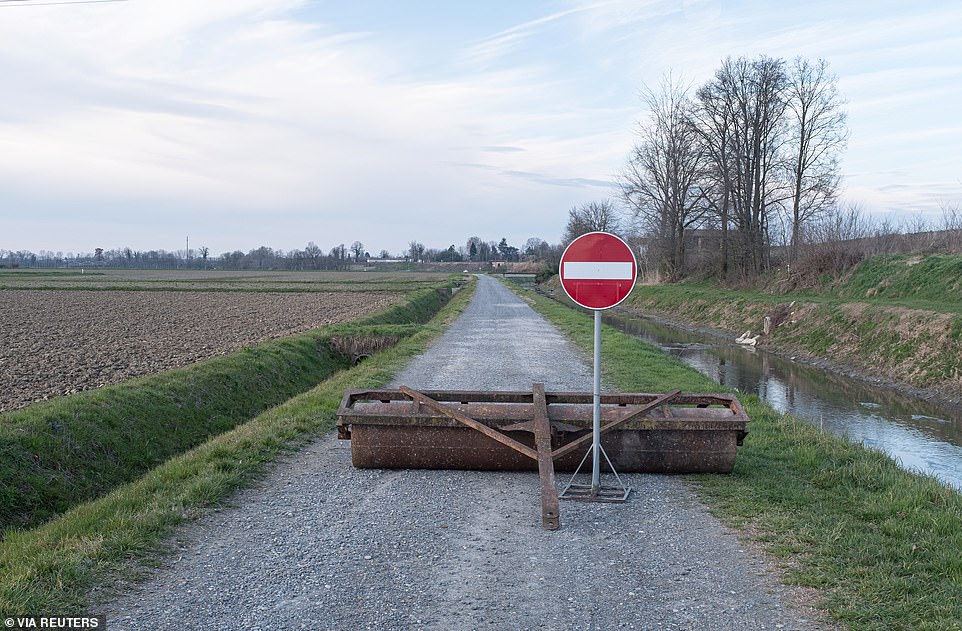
(311, 257)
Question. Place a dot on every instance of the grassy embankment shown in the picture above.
(883, 544)
(52, 567)
(899, 318)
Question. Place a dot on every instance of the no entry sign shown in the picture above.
(598, 270)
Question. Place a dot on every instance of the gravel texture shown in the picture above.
(321, 545)
(58, 342)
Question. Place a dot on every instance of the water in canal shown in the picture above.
(920, 435)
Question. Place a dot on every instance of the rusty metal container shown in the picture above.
(675, 433)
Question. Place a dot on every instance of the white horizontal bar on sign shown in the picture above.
(598, 270)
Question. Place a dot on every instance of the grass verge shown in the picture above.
(52, 568)
(881, 543)
(58, 453)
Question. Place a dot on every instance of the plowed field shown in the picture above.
(58, 342)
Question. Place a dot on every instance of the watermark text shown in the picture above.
(55, 622)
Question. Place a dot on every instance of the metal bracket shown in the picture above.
(589, 493)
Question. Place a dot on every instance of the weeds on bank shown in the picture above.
(882, 544)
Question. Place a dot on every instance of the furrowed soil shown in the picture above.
(54, 343)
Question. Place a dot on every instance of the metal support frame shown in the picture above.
(541, 428)
(595, 492)
(549, 417)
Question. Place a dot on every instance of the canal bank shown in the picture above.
(908, 342)
(864, 374)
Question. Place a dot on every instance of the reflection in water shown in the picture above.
(918, 434)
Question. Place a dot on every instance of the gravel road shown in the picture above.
(321, 545)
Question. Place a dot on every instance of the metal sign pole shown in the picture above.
(597, 272)
(596, 412)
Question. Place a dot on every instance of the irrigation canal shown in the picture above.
(920, 435)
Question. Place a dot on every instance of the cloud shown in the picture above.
(491, 48)
(501, 149)
(280, 119)
(576, 182)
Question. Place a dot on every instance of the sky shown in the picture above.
(242, 123)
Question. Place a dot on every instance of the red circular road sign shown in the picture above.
(598, 270)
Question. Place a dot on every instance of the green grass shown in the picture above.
(58, 453)
(54, 567)
(881, 543)
(933, 279)
(932, 283)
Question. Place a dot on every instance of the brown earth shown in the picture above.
(55, 343)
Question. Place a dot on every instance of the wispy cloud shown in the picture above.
(493, 47)
(492, 149)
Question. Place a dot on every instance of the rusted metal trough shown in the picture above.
(510, 431)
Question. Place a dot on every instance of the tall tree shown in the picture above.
(474, 248)
(357, 249)
(314, 254)
(508, 252)
(713, 124)
(817, 134)
(749, 95)
(664, 181)
(535, 246)
(416, 251)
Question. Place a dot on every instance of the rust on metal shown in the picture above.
(584, 440)
(541, 426)
(470, 422)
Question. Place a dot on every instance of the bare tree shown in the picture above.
(952, 225)
(313, 253)
(591, 217)
(748, 97)
(416, 251)
(357, 249)
(339, 257)
(664, 181)
(714, 125)
(536, 247)
(817, 134)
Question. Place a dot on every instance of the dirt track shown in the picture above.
(55, 343)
